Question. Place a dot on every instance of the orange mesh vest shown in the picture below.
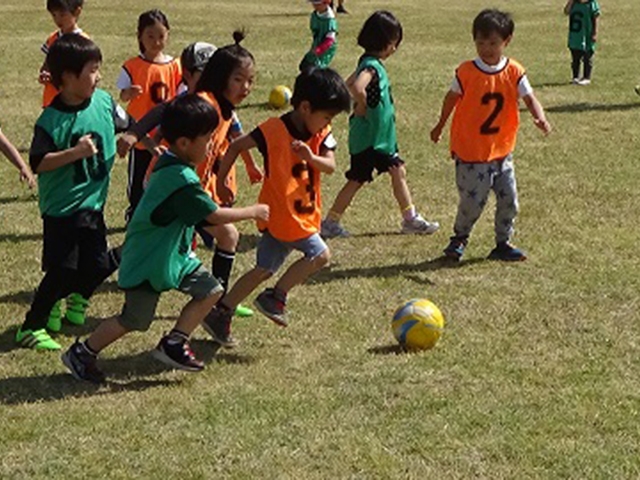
(219, 143)
(290, 187)
(50, 91)
(486, 119)
(159, 82)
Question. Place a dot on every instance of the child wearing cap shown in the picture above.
(324, 28)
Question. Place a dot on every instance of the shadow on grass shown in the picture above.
(552, 84)
(25, 297)
(21, 237)
(208, 350)
(329, 275)
(592, 107)
(387, 350)
(48, 388)
(17, 199)
(283, 14)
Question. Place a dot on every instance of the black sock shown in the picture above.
(221, 266)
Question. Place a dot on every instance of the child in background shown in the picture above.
(145, 81)
(297, 148)
(65, 14)
(583, 31)
(372, 129)
(157, 256)
(12, 154)
(72, 151)
(484, 95)
(225, 84)
(324, 29)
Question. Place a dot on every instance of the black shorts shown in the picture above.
(78, 242)
(363, 164)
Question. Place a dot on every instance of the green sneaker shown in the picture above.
(54, 324)
(76, 306)
(36, 339)
(242, 311)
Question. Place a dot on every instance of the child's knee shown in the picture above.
(323, 259)
(227, 236)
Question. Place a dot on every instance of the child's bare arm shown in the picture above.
(448, 105)
(130, 93)
(567, 7)
(537, 112)
(325, 162)
(259, 211)
(240, 144)
(9, 151)
(357, 85)
(84, 148)
(594, 34)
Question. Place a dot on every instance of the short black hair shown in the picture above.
(379, 30)
(188, 116)
(70, 53)
(149, 19)
(215, 76)
(323, 88)
(64, 5)
(491, 20)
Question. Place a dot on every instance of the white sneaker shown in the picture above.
(637, 89)
(331, 229)
(419, 225)
(584, 81)
(576, 81)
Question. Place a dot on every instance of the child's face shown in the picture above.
(240, 83)
(491, 48)
(154, 39)
(194, 151)
(315, 120)
(320, 6)
(81, 87)
(389, 50)
(65, 20)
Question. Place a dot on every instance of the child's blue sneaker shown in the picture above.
(507, 253)
(455, 249)
(331, 229)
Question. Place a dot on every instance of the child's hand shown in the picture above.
(27, 176)
(44, 77)
(436, 133)
(543, 125)
(255, 174)
(261, 211)
(85, 147)
(360, 109)
(224, 192)
(126, 143)
(132, 92)
(302, 150)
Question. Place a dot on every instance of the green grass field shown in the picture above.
(537, 375)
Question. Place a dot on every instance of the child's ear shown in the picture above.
(182, 143)
(305, 106)
(76, 13)
(508, 40)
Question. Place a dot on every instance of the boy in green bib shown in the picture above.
(157, 254)
(583, 32)
(72, 152)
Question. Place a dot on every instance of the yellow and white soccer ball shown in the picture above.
(279, 97)
(418, 324)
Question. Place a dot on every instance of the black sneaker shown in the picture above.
(272, 303)
(341, 9)
(82, 364)
(177, 355)
(218, 324)
(507, 253)
(456, 247)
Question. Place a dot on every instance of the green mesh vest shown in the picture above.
(80, 185)
(377, 129)
(160, 255)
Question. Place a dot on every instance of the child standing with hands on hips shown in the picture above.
(583, 31)
(372, 129)
(484, 95)
(145, 81)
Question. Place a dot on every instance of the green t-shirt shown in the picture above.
(377, 129)
(81, 185)
(581, 18)
(157, 247)
(322, 25)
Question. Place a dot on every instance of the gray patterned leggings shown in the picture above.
(475, 181)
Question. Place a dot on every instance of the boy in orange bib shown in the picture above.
(484, 95)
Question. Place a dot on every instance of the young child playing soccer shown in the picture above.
(72, 152)
(12, 154)
(484, 95)
(297, 148)
(225, 83)
(583, 31)
(324, 29)
(65, 14)
(146, 80)
(372, 129)
(157, 253)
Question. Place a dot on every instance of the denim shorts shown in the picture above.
(273, 252)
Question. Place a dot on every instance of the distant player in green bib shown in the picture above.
(583, 30)
(324, 28)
